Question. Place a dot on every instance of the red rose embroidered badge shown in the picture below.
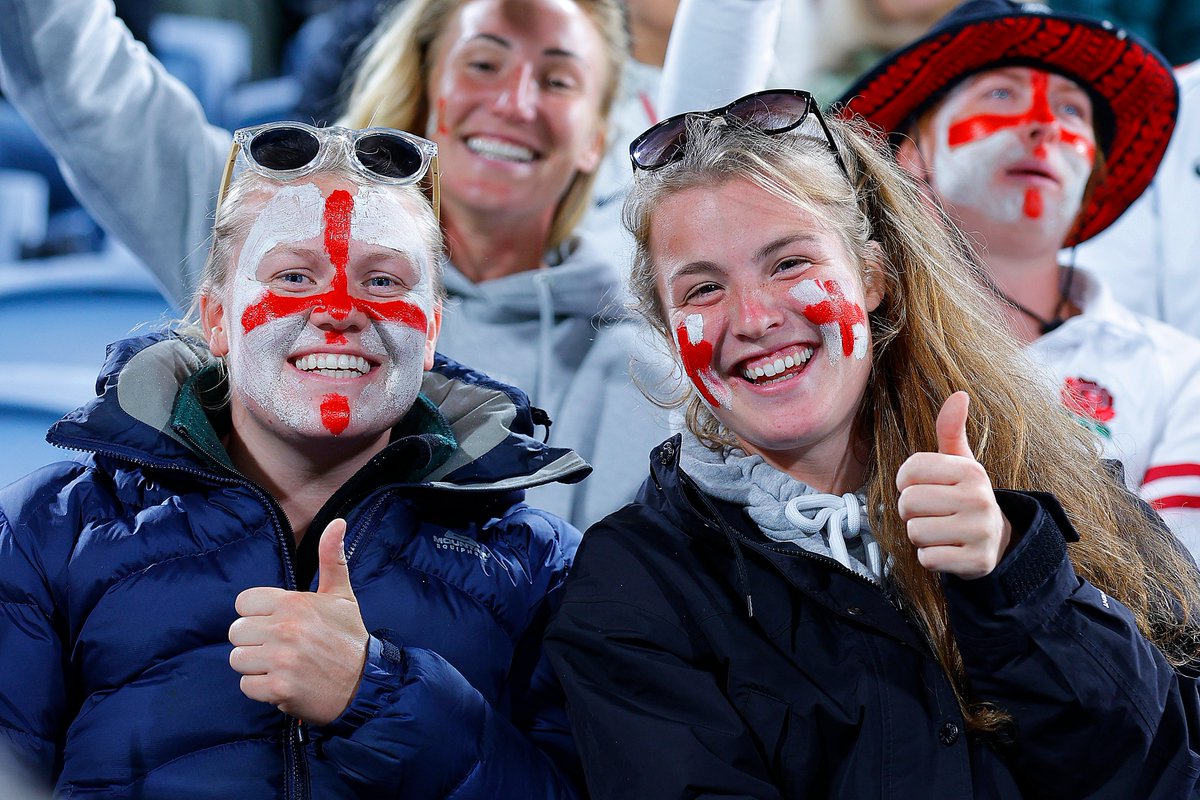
(1091, 402)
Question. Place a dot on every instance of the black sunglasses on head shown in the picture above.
(772, 111)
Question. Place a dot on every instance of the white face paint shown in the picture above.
(696, 356)
(323, 287)
(826, 306)
(986, 159)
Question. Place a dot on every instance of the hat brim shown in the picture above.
(1115, 67)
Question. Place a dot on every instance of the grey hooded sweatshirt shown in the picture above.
(143, 159)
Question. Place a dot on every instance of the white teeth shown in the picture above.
(504, 151)
(778, 366)
(334, 365)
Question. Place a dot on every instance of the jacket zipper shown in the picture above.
(295, 755)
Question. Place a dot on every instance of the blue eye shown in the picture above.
(1001, 94)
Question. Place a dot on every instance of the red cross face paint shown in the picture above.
(728, 259)
(843, 323)
(329, 308)
(1012, 145)
(696, 356)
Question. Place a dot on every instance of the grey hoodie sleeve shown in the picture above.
(719, 50)
(133, 141)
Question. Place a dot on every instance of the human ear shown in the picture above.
(589, 159)
(212, 320)
(431, 335)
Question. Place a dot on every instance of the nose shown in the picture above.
(518, 95)
(1044, 126)
(755, 313)
(337, 311)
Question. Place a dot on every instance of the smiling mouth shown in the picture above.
(333, 365)
(783, 365)
(500, 150)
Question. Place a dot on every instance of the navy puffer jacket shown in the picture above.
(118, 573)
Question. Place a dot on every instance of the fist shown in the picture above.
(947, 502)
(303, 652)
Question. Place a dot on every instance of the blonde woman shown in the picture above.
(514, 92)
(819, 592)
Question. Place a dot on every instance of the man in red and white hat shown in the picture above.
(1035, 130)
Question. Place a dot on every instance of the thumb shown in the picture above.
(333, 572)
(952, 426)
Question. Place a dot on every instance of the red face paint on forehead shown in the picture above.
(837, 310)
(983, 125)
(697, 358)
(337, 302)
(335, 413)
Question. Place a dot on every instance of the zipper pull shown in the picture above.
(301, 733)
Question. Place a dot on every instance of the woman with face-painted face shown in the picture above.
(819, 592)
(292, 560)
(1033, 148)
(516, 93)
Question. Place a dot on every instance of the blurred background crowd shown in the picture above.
(252, 62)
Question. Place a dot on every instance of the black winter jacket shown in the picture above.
(828, 690)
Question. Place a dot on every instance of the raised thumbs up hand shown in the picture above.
(947, 502)
(303, 652)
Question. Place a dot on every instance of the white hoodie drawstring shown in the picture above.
(541, 280)
(839, 517)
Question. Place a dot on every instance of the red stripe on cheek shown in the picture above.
(696, 358)
(335, 413)
(441, 116)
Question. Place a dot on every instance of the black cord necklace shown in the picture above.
(1064, 298)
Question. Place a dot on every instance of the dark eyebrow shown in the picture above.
(556, 52)
(694, 268)
(769, 249)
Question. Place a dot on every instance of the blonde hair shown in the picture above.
(391, 83)
(935, 332)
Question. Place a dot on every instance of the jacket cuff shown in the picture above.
(381, 678)
(1029, 575)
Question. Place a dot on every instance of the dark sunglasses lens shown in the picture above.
(389, 156)
(284, 148)
(771, 113)
(660, 145)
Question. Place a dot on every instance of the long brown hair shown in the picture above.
(935, 332)
(392, 81)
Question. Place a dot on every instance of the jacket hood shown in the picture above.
(580, 281)
(489, 426)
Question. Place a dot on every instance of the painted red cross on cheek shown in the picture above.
(697, 359)
(337, 302)
(836, 310)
